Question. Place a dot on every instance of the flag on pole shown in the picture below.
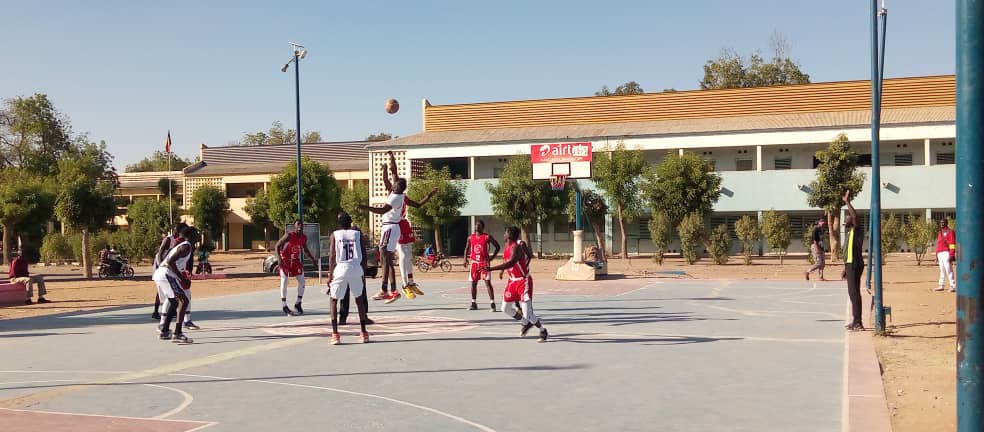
(167, 144)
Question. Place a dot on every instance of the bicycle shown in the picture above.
(439, 260)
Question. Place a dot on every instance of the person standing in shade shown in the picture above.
(946, 254)
(853, 262)
(816, 250)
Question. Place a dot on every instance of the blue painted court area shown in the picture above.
(654, 354)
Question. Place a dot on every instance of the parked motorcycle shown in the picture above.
(116, 268)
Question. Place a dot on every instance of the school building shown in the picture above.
(762, 141)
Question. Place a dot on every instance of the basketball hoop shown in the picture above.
(557, 182)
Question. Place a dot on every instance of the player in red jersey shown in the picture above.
(477, 252)
(289, 249)
(519, 289)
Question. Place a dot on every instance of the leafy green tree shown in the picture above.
(692, 232)
(167, 186)
(24, 201)
(659, 233)
(748, 231)
(55, 248)
(277, 135)
(86, 201)
(681, 185)
(258, 209)
(444, 207)
(618, 171)
(919, 235)
(593, 211)
(382, 136)
(351, 198)
(628, 88)
(320, 194)
(159, 162)
(892, 231)
(34, 135)
(148, 221)
(731, 70)
(777, 231)
(208, 207)
(719, 244)
(520, 201)
(836, 173)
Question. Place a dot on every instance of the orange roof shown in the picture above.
(928, 91)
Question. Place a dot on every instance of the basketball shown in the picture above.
(392, 106)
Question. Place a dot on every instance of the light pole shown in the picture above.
(299, 53)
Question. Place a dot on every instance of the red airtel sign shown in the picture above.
(561, 152)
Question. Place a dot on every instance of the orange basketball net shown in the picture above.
(557, 182)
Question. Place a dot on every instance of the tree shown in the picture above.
(719, 243)
(34, 135)
(520, 201)
(382, 136)
(444, 207)
(628, 88)
(159, 162)
(23, 200)
(319, 190)
(659, 232)
(777, 231)
(692, 232)
(618, 171)
(749, 233)
(836, 173)
(277, 135)
(148, 220)
(681, 185)
(731, 70)
(167, 187)
(351, 198)
(808, 241)
(891, 233)
(208, 207)
(919, 236)
(593, 210)
(258, 209)
(86, 200)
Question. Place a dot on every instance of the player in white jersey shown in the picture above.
(346, 271)
(162, 250)
(393, 212)
(406, 240)
(172, 281)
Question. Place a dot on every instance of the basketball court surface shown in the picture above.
(623, 355)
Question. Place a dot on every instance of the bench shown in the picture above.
(13, 293)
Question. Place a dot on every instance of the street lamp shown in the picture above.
(299, 53)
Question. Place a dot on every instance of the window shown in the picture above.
(784, 163)
(864, 160)
(744, 165)
(944, 158)
(903, 159)
(497, 172)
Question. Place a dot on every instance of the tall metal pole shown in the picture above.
(297, 110)
(970, 209)
(875, 215)
(577, 206)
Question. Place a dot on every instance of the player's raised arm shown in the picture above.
(394, 171)
(377, 210)
(427, 198)
(386, 179)
(850, 207)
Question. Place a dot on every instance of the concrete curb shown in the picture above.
(864, 405)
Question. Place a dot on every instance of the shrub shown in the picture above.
(749, 233)
(891, 233)
(96, 242)
(659, 232)
(692, 232)
(719, 243)
(55, 248)
(778, 232)
(919, 236)
(808, 241)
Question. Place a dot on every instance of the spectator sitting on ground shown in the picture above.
(20, 274)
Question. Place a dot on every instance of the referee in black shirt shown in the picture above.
(853, 262)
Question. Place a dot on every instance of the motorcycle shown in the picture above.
(121, 269)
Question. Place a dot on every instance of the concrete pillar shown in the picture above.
(926, 153)
(578, 246)
(351, 184)
(539, 237)
(609, 235)
(929, 215)
(680, 152)
(761, 248)
(471, 167)
(758, 158)
(843, 233)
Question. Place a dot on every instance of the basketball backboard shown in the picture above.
(571, 160)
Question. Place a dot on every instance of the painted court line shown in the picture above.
(184, 403)
(478, 426)
(202, 424)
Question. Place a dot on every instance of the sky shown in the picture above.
(209, 71)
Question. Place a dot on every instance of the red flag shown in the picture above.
(167, 144)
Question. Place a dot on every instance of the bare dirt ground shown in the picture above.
(917, 355)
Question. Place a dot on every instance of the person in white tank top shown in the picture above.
(171, 283)
(346, 270)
